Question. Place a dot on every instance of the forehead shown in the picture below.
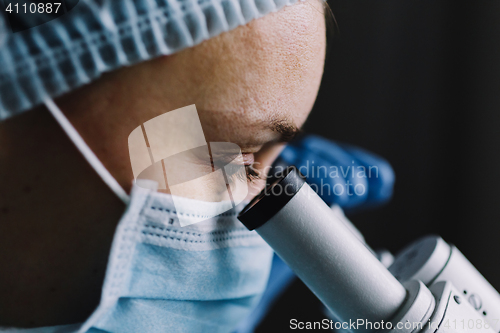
(268, 69)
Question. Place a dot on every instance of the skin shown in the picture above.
(58, 218)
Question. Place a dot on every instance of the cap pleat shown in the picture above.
(97, 36)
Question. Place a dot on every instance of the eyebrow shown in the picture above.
(287, 129)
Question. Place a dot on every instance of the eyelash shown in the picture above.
(251, 175)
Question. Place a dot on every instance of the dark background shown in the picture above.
(417, 82)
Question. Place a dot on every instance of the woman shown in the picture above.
(75, 249)
(253, 83)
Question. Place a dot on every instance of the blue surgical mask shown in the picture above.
(206, 277)
(165, 278)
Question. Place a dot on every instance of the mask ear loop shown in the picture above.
(87, 153)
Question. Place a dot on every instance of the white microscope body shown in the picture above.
(429, 288)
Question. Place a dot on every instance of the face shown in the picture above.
(253, 86)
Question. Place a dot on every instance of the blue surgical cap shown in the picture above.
(98, 36)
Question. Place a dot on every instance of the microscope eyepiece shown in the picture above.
(272, 198)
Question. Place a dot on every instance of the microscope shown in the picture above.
(429, 287)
